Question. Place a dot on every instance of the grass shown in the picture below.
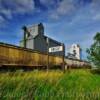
(54, 85)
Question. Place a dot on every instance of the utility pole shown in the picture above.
(25, 29)
(47, 54)
(63, 65)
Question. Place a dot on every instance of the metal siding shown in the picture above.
(30, 44)
(40, 44)
(33, 30)
(53, 44)
(12, 55)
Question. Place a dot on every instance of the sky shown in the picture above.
(67, 21)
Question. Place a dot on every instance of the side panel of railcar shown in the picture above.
(12, 55)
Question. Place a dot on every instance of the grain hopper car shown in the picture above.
(17, 57)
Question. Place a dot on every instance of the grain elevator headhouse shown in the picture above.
(76, 51)
(34, 38)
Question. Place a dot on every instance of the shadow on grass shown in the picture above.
(95, 71)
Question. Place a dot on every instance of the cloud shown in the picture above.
(58, 8)
(95, 10)
(96, 17)
(95, 3)
(88, 14)
(63, 8)
(66, 8)
(11, 7)
(50, 4)
(1, 19)
(47, 2)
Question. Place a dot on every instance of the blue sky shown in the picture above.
(68, 21)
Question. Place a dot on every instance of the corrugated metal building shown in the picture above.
(36, 40)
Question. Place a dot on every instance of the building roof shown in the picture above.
(45, 37)
(59, 43)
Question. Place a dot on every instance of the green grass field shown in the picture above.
(54, 85)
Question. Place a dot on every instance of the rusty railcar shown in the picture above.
(75, 63)
(11, 55)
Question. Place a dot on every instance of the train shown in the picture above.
(18, 57)
(75, 63)
(15, 57)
